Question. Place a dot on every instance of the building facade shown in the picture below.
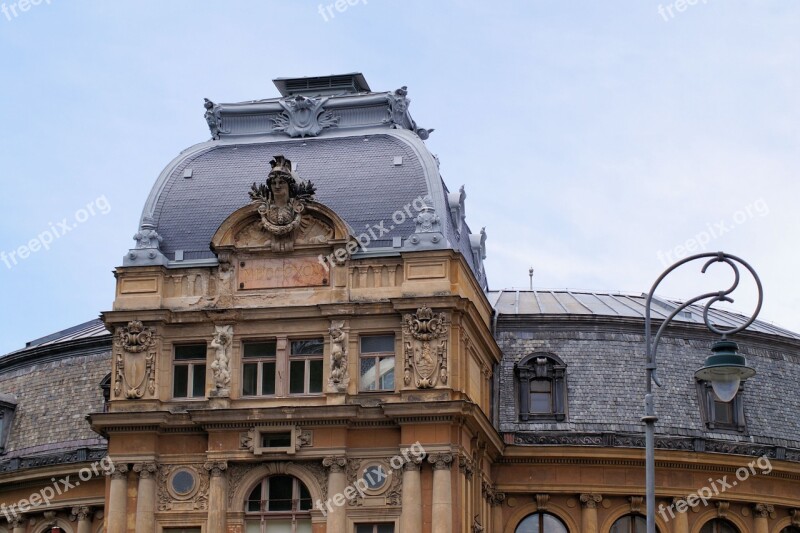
(303, 340)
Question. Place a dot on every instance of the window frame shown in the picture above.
(307, 358)
(259, 362)
(374, 525)
(531, 369)
(264, 515)
(708, 409)
(190, 375)
(377, 357)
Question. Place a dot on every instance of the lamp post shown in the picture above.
(724, 368)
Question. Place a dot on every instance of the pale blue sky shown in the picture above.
(589, 135)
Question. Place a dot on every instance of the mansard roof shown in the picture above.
(362, 150)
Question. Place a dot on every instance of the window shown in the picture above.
(377, 363)
(718, 414)
(541, 523)
(719, 525)
(8, 406)
(282, 504)
(632, 523)
(105, 387)
(305, 367)
(258, 370)
(791, 529)
(189, 375)
(542, 388)
(374, 528)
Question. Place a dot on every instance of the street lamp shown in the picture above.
(724, 368)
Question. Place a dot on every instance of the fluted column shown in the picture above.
(83, 515)
(217, 496)
(146, 497)
(681, 522)
(762, 512)
(117, 499)
(411, 513)
(337, 480)
(442, 505)
(589, 513)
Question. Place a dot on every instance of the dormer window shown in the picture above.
(542, 388)
(8, 406)
(719, 415)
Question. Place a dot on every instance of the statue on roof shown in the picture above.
(282, 199)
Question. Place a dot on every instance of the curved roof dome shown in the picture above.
(362, 150)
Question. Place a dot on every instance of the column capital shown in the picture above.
(465, 465)
(764, 510)
(216, 468)
(17, 521)
(413, 464)
(146, 470)
(335, 463)
(441, 461)
(590, 501)
(120, 471)
(81, 513)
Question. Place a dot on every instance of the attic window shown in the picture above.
(8, 407)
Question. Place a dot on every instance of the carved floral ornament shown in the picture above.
(135, 356)
(425, 348)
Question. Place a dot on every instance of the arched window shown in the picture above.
(630, 523)
(279, 504)
(718, 525)
(541, 523)
(791, 529)
(542, 388)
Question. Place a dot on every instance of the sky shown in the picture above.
(598, 142)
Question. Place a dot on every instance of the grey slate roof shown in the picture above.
(567, 302)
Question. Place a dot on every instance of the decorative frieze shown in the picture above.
(425, 348)
(135, 357)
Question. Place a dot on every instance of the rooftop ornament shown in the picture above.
(724, 368)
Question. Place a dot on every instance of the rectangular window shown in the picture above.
(276, 440)
(258, 368)
(719, 415)
(377, 363)
(189, 372)
(374, 528)
(305, 366)
(541, 400)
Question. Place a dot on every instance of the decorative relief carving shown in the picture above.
(236, 473)
(145, 470)
(304, 438)
(764, 510)
(339, 377)
(541, 501)
(590, 501)
(465, 466)
(281, 202)
(335, 464)
(199, 497)
(399, 115)
(722, 509)
(795, 514)
(247, 440)
(213, 118)
(353, 470)
(320, 473)
(81, 513)
(476, 525)
(303, 116)
(636, 504)
(135, 356)
(441, 461)
(220, 368)
(425, 346)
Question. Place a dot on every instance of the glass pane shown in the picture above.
(553, 525)
(267, 378)
(279, 526)
(529, 525)
(305, 497)
(199, 381)
(540, 385)
(540, 402)
(375, 477)
(280, 493)
(622, 525)
(377, 343)
(365, 528)
(303, 526)
(250, 379)
(276, 440)
(254, 500)
(307, 347)
(315, 377)
(190, 351)
(368, 381)
(259, 349)
(183, 482)
(386, 380)
(253, 526)
(640, 524)
(180, 381)
(723, 412)
(385, 528)
(297, 377)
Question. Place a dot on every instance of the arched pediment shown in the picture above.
(247, 228)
